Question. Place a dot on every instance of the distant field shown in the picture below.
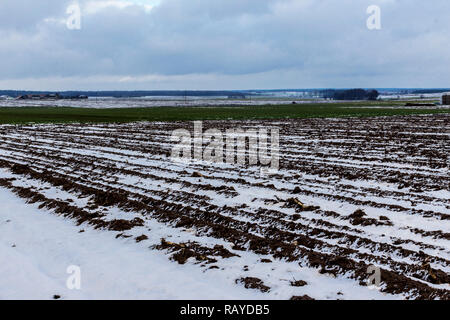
(16, 115)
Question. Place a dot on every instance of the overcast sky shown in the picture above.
(223, 44)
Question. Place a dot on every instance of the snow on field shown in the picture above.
(145, 102)
(105, 103)
(37, 247)
(349, 194)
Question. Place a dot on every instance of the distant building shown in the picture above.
(31, 97)
(75, 97)
(54, 96)
(236, 95)
(24, 97)
(50, 96)
(445, 99)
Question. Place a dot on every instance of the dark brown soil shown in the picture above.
(298, 283)
(183, 251)
(141, 238)
(301, 298)
(253, 283)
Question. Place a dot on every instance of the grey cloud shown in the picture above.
(318, 42)
(23, 15)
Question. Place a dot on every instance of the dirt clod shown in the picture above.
(298, 283)
(253, 283)
(301, 298)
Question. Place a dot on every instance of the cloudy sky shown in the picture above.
(223, 44)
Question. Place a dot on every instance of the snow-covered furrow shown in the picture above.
(323, 250)
(96, 159)
(377, 192)
(156, 166)
(218, 198)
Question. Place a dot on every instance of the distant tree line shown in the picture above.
(125, 94)
(418, 91)
(351, 94)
